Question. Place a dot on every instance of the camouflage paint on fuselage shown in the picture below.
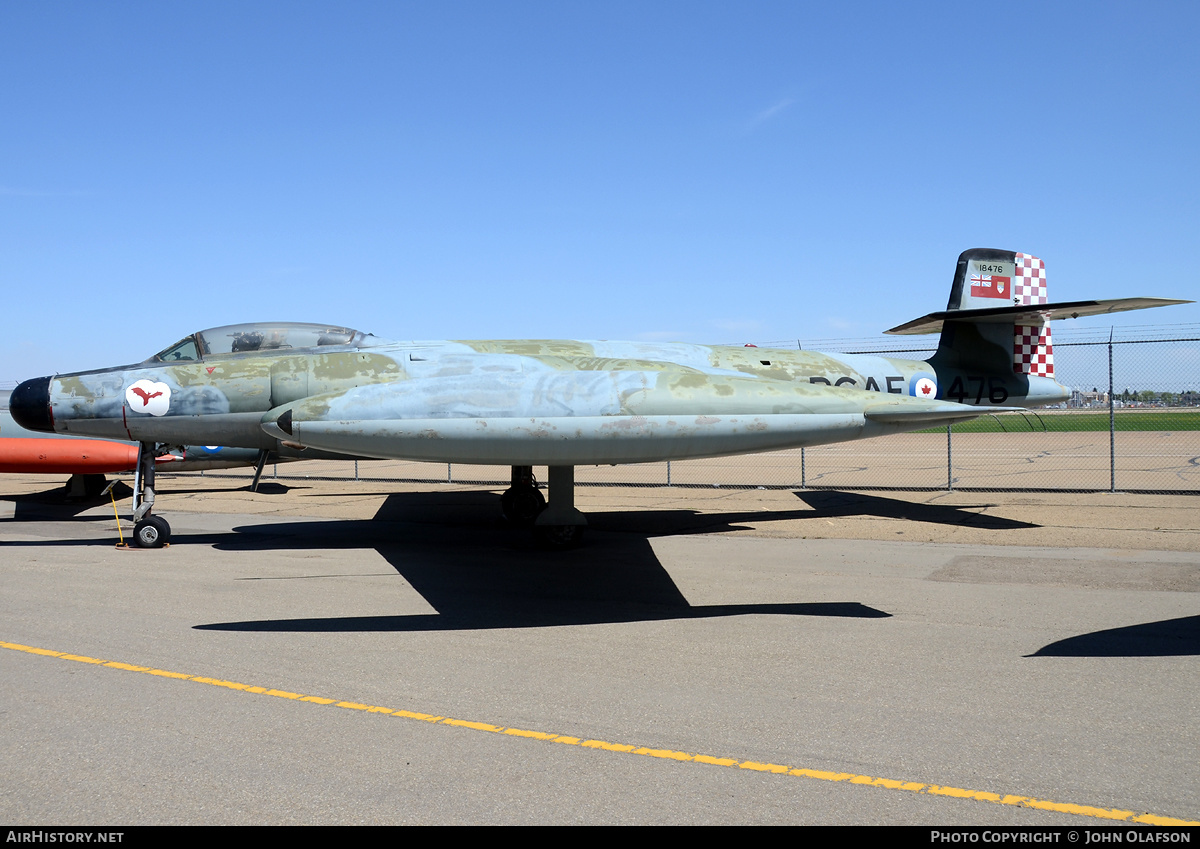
(596, 401)
(975, 382)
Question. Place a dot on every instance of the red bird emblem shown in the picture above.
(145, 396)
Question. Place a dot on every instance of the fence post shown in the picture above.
(668, 473)
(949, 464)
(802, 484)
(1112, 422)
(449, 474)
(356, 470)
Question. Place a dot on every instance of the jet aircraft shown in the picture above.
(336, 392)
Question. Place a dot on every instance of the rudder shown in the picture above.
(1033, 352)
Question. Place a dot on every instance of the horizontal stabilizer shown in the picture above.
(892, 413)
(1029, 314)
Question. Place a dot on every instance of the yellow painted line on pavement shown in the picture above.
(1145, 818)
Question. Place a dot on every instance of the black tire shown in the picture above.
(522, 504)
(151, 532)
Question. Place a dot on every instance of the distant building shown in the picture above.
(1087, 399)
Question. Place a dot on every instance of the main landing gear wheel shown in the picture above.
(522, 504)
(151, 532)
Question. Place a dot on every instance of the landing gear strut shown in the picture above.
(556, 525)
(560, 525)
(258, 469)
(148, 531)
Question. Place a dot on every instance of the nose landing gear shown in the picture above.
(148, 531)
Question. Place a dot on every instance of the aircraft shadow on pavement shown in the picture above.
(831, 503)
(1166, 638)
(55, 505)
(480, 573)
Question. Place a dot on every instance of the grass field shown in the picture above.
(1067, 421)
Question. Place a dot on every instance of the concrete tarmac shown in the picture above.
(356, 653)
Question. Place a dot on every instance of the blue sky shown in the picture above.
(696, 171)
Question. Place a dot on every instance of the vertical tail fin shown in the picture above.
(985, 279)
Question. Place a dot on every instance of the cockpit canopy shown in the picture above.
(260, 336)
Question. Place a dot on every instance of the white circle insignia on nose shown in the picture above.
(146, 396)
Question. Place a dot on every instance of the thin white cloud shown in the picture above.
(770, 112)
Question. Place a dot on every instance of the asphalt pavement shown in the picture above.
(347, 653)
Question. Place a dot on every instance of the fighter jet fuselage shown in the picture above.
(333, 391)
(512, 402)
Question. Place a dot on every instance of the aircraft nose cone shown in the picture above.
(30, 405)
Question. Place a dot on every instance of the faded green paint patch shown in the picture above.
(74, 387)
(610, 364)
(692, 380)
(351, 368)
(783, 364)
(566, 348)
(908, 368)
(675, 394)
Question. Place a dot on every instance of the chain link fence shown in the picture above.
(1132, 424)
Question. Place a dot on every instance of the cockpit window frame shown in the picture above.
(164, 355)
(259, 337)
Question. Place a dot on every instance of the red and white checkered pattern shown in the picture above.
(1032, 352)
(1029, 280)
